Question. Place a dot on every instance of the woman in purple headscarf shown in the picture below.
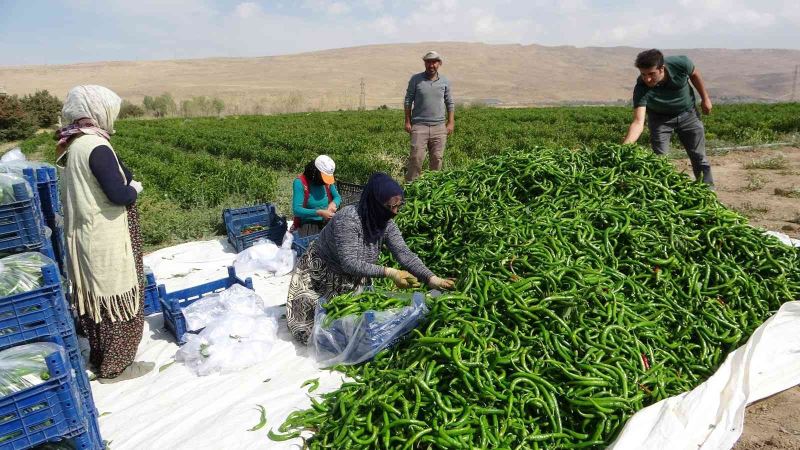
(344, 256)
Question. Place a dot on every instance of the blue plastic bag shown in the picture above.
(357, 338)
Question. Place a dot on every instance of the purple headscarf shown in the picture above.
(374, 215)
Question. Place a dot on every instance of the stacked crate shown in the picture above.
(43, 315)
(34, 222)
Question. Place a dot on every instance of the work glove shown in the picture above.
(136, 185)
(441, 283)
(401, 278)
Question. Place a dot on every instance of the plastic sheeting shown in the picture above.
(711, 416)
(173, 408)
(265, 256)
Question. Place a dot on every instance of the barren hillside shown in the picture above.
(330, 79)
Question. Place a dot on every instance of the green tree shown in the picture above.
(165, 105)
(160, 106)
(43, 107)
(217, 105)
(149, 104)
(15, 121)
(129, 109)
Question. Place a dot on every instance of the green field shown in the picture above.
(193, 168)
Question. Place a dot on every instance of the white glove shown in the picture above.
(136, 185)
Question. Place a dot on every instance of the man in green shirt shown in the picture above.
(664, 95)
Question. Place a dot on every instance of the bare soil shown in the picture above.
(769, 197)
(774, 422)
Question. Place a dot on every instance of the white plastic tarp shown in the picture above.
(173, 408)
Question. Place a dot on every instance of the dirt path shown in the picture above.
(764, 185)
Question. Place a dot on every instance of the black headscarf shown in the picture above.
(374, 215)
(313, 176)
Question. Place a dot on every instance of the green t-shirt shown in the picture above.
(675, 95)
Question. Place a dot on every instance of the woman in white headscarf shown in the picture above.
(101, 225)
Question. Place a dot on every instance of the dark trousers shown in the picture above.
(691, 133)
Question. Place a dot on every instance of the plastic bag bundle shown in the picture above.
(232, 342)
(15, 154)
(22, 272)
(17, 166)
(236, 299)
(266, 256)
(354, 339)
(14, 188)
(24, 366)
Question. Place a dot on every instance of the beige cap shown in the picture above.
(432, 55)
(326, 167)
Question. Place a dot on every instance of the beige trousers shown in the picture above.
(429, 139)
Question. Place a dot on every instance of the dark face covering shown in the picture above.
(374, 215)
(313, 176)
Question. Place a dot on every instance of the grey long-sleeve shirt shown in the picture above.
(431, 99)
(343, 247)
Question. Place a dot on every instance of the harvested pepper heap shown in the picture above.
(592, 283)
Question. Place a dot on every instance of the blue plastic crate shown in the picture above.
(49, 411)
(43, 315)
(59, 243)
(172, 303)
(47, 250)
(39, 313)
(266, 215)
(47, 187)
(301, 244)
(21, 222)
(151, 303)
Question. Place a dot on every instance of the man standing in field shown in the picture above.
(428, 100)
(663, 92)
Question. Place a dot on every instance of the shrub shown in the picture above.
(43, 107)
(128, 110)
(15, 121)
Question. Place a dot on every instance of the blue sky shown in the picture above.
(58, 32)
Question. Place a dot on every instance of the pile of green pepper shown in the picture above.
(358, 304)
(591, 283)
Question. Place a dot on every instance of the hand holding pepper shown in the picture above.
(441, 283)
(401, 278)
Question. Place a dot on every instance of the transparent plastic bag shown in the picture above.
(231, 342)
(265, 256)
(25, 366)
(237, 299)
(15, 154)
(22, 272)
(14, 188)
(354, 339)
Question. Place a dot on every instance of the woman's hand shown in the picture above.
(326, 214)
(401, 278)
(332, 207)
(441, 283)
(137, 186)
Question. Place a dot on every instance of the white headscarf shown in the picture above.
(94, 102)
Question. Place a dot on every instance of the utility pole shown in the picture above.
(794, 84)
(362, 99)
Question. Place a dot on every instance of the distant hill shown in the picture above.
(510, 75)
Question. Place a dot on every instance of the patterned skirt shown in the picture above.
(113, 345)
(312, 280)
